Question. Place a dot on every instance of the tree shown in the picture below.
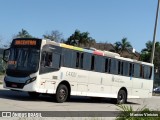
(80, 39)
(125, 44)
(117, 47)
(74, 38)
(55, 35)
(122, 45)
(23, 34)
(146, 52)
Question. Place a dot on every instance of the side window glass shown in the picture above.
(46, 59)
(67, 55)
(147, 72)
(87, 61)
(43, 58)
(98, 64)
(56, 60)
(136, 70)
(114, 69)
(141, 71)
(125, 68)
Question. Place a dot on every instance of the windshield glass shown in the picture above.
(23, 59)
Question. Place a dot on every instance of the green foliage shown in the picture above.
(127, 113)
(80, 39)
(145, 56)
(23, 34)
(120, 46)
(2, 66)
(54, 36)
(146, 53)
(2, 72)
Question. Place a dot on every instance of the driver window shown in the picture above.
(50, 62)
(46, 59)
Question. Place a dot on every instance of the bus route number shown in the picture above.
(71, 74)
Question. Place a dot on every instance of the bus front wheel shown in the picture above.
(122, 97)
(62, 93)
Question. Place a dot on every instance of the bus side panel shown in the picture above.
(78, 80)
(141, 88)
(121, 81)
(99, 85)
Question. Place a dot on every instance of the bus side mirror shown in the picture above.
(6, 55)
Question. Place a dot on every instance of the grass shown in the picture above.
(127, 113)
(155, 94)
(1, 73)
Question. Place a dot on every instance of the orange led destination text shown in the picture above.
(12, 62)
(25, 42)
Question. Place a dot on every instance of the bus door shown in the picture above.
(49, 70)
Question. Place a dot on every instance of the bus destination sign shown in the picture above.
(25, 42)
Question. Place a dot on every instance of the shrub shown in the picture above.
(127, 113)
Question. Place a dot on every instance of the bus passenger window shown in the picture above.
(56, 63)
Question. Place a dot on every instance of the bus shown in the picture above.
(41, 66)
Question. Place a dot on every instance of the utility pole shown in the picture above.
(154, 35)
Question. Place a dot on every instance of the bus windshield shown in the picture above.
(23, 59)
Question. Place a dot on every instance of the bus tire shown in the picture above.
(61, 93)
(121, 97)
(33, 94)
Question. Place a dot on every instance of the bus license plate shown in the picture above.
(14, 85)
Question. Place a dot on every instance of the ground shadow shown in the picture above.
(23, 96)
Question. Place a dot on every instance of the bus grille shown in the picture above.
(14, 85)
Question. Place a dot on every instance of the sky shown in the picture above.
(105, 20)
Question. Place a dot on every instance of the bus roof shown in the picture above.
(96, 52)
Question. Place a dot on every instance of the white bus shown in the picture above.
(41, 66)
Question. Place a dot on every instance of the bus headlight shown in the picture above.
(31, 80)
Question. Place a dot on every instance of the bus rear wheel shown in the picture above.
(62, 93)
(122, 97)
